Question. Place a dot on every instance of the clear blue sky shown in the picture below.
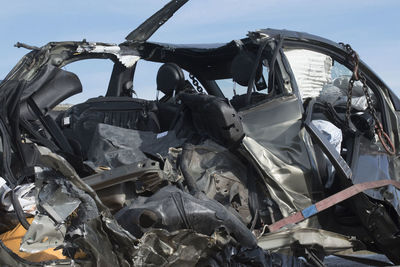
(372, 27)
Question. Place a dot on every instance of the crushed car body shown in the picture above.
(277, 149)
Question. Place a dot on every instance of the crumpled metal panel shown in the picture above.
(172, 209)
(188, 248)
(283, 241)
(104, 241)
(8, 258)
(275, 139)
(42, 234)
(374, 166)
(220, 175)
(286, 183)
(180, 248)
(57, 202)
(171, 168)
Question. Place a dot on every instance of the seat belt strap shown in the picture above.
(329, 150)
(51, 127)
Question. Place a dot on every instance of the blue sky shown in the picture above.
(372, 27)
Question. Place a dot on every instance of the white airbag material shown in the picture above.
(312, 70)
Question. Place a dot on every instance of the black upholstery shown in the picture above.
(215, 118)
(242, 67)
(170, 79)
(80, 121)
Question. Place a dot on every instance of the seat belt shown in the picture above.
(342, 169)
(329, 150)
(37, 137)
(51, 127)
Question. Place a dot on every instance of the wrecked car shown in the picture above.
(280, 148)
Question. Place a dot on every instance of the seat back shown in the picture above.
(215, 118)
(80, 121)
(170, 79)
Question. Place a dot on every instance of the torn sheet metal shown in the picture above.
(57, 202)
(95, 225)
(283, 241)
(43, 234)
(151, 25)
(171, 167)
(188, 248)
(372, 166)
(128, 60)
(290, 193)
(12, 240)
(173, 209)
(280, 147)
(219, 174)
(180, 248)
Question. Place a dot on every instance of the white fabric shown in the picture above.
(334, 135)
(312, 70)
(4, 189)
(25, 195)
(331, 132)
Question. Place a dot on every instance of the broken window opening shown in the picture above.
(94, 75)
(230, 88)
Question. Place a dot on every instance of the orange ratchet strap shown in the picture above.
(329, 202)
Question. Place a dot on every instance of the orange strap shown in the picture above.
(329, 202)
(385, 139)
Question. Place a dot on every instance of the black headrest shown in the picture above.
(242, 67)
(215, 118)
(170, 78)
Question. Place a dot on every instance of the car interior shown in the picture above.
(193, 109)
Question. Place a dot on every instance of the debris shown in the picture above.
(12, 239)
(24, 193)
(297, 165)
